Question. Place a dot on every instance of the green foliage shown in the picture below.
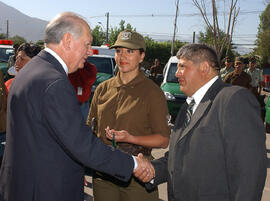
(18, 40)
(99, 36)
(207, 38)
(154, 49)
(160, 50)
(263, 36)
(3, 36)
(40, 43)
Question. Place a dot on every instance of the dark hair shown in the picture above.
(141, 50)
(16, 46)
(198, 53)
(29, 49)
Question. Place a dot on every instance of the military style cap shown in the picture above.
(228, 59)
(239, 59)
(130, 39)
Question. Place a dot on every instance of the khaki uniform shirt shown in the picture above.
(256, 76)
(3, 103)
(223, 72)
(242, 79)
(138, 107)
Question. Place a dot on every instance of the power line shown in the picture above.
(170, 15)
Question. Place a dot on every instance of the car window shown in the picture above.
(103, 64)
(5, 53)
(171, 73)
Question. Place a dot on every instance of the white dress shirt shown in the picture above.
(199, 94)
(58, 58)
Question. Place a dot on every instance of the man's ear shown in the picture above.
(205, 68)
(66, 40)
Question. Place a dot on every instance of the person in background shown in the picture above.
(82, 81)
(256, 75)
(217, 147)
(238, 76)
(156, 69)
(25, 52)
(131, 115)
(12, 58)
(48, 143)
(227, 69)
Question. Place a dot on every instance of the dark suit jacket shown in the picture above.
(47, 140)
(221, 155)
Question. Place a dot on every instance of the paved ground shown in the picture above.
(163, 188)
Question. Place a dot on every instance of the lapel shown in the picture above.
(201, 110)
(51, 59)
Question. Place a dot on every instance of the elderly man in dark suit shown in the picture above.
(217, 148)
(48, 142)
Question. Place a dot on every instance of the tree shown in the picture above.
(219, 43)
(263, 36)
(3, 36)
(18, 40)
(99, 36)
(160, 50)
(207, 38)
(40, 43)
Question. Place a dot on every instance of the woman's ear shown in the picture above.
(142, 57)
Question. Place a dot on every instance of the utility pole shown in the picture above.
(174, 32)
(193, 37)
(107, 30)
(7, 29)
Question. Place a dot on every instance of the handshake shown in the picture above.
(145, 170)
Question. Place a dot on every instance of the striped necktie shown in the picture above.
(189, 113)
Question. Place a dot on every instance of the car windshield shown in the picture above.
(171, 73)
(103, 64)
(5, 53)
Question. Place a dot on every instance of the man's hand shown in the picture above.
(145, 170)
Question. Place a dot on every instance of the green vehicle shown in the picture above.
(170, 86)
(267, 115)
(6, 50)
(105, 68)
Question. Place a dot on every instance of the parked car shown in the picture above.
(267, 115)
(105, 65)
(6, 50)
(171, 88)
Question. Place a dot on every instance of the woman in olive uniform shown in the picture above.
(131, 114)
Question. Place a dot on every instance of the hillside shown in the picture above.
(32, 29)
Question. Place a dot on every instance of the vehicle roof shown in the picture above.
(6, 46)
(173, 59)
(104, 50)
(100, 55)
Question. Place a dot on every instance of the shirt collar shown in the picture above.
(132, 83)
(58, 58)
(199, 94)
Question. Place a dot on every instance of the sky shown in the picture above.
(154, 18)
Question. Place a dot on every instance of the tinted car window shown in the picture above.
(171, 73)
(103, 65)
(5, 53)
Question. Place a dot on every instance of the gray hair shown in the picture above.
(66, 22)
(198, 53)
